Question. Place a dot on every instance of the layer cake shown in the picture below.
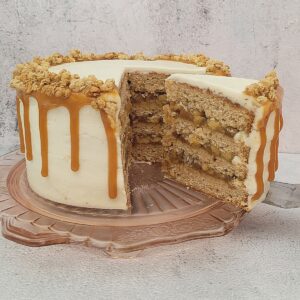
(84, 118)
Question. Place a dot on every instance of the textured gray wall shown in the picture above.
(253, 37)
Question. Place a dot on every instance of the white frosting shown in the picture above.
(88, 187)
(114, 69)
(233, 89)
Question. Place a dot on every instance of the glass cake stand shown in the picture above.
(163, 212)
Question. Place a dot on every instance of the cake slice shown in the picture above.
(221, 135)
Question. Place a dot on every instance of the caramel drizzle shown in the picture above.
(274, 148)
(25, 100)
(112, 156)
(73, 104)
(74, 129)
(280, 127)
(43, 118)
(278, 123)
(260, 165)
(21, 135)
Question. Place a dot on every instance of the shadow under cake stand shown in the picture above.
(164, 212)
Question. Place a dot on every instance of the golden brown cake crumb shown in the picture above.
(217, 67)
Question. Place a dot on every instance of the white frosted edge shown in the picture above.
(114, 69)
(229, 87)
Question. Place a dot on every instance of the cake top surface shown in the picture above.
(230, 83)
(114, 69)
(37, 76)
(248, 93)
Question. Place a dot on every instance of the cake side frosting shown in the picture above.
(260, 98)
(47, 99)
(86, 187)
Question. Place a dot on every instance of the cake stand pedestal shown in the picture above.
(164, 212)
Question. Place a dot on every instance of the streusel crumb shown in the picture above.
(265, 89)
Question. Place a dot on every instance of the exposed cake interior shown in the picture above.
(199, 146)
(206, 132)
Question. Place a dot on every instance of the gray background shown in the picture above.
(253, 37)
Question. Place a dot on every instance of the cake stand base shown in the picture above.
(163, 212)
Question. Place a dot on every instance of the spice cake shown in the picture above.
(84, 118)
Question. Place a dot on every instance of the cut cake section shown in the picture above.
(147, 98)
(220, 138)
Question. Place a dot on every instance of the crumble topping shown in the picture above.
(35, 76)
(217, 67)
(265, 89)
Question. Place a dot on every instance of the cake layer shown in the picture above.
(156, 118)
(147, 110)
(159, 98)
(215, 141)
(149, 152)
(145, 106)
(198, 118)
(147, 82)
(207, 161)
(146, 139)
(208, 184)
(194, 99)
(143, 129)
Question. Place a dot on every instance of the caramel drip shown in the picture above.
(21, 135)
(74, 130)
(260, 165)
(278, 123)
(274, 148)
(281, 120)
(277, 144)
(279, 96)
(73, 104)
(112, 156)
(43, 113)
(25, 101)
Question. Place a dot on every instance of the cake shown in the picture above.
(85, 118)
